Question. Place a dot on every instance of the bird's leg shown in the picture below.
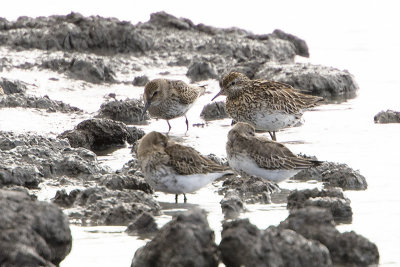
(187, 123)
(184, 198)
(176, 198)
(169, 126)
(273, 135)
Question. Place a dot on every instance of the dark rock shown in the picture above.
(328, 82)
(186, 240)
(81, 68)
(332, 199)
(97, 134)
(201, 70)
(345, 177)
(388, 116)
(243, 244)
(163, 19)
(144, 224)
(348, 249)
(63, 199)
(232, 205)
(248, 67)
(28, 159)
(125, 181)
(126, 111)
(12, 87)
(101, 206)
(134, 135)
(214, 111)
(251, 189)
(299, 44)
(32, 233)
(94, 72)
(75, 32)
(26, 101)
(165, 37)
(334, 175)
(140, 80)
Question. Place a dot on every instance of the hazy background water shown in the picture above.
(360, 36)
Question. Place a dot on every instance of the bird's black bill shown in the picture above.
(217, 95)
(146, 106)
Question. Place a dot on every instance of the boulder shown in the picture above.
(328, 82)
(144, 224)
(27, 159)
(334, 175)
(120, 181)
(140, 80)
(88, 69)
(332, 199)
(299, 44)
(186, 240)
(232, 205)
(388, 116)
(32, 233)
(214, 111)
(349, 249)
(167, 39)
(12, 86)
(27, 101)
(201, 70)
(127, 111)
(243, 244)
(99, 205)
(251, 189)
(99, 134)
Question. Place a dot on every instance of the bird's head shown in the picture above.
(153, 93)
(151, 142)
(232, 83)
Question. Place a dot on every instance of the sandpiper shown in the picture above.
(259, 156)
(267, 105)
(173, 168)
(169, 99)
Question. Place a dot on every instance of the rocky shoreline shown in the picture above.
(96, 50)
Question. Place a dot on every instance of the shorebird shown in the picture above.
(259, 156)
(173, 168)
(169, 99)
(267, 105)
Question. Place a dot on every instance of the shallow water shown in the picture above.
(338, 35)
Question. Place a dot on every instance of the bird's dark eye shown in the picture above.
(154, 94)
(233, 83)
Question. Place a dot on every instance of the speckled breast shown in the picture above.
(168, 110)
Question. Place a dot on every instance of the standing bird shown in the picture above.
(169, 99)
(267, 105)
(259, 156)
(173, 168)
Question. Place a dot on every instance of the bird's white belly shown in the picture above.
(177, 184)
(273, 121)
(250, 167)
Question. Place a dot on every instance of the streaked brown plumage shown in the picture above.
(267, 105)
(259, 156)
(173, 168)
(169, 99)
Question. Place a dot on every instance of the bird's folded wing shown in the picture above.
(273, 155)
(185, 93)
(186, 160)
(282, 96)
